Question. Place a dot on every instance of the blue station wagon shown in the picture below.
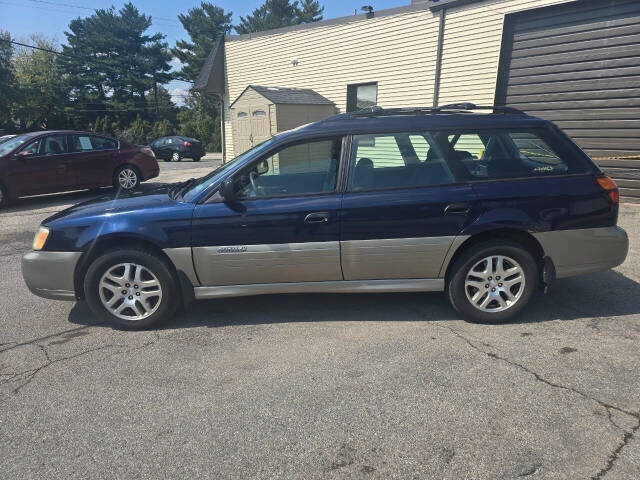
(488, 207)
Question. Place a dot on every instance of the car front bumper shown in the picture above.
(51, 274)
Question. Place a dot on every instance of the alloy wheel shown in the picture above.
(127, 178)
(130, 291)
(495, 283)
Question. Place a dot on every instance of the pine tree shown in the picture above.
(113, 62)
(204, 25)
(6, 79)
(280, 13)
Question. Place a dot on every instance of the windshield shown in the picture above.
(204, 182)
(12, 143)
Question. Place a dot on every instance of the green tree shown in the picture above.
(40, 90)
(6, 79)
(162, 128)
(280, 13)
(113, 63)
(204, 25)
(199, 118)
(310, 11)
(138, 131)
(162, 105)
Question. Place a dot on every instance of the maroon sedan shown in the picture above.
(58, 161)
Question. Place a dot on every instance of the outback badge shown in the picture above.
(232, 249)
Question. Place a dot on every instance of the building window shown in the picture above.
(361, 96)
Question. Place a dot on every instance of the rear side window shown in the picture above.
(102, 143)
(81, 143)
(511, 154)
(398, 160)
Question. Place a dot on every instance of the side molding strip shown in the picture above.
(343, 286)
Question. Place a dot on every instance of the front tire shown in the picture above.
(196, 159)
(131, 288)
(176, 157)
(126, 178)
(493, 281)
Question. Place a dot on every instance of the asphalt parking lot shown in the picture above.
(320, 386)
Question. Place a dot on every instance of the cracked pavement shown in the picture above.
(320, 386)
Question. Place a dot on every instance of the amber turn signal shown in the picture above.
(40, 238)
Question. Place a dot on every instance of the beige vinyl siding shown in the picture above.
(228, 134)
(385, 153)
(397, 51)
(292, 116)
(471, 48)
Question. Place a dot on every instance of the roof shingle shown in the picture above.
(304, 96)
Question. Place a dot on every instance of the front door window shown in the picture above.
(301, 169)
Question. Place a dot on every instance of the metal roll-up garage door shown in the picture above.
(578, 65)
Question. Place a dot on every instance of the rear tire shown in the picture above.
(196, 159)
(126, 178)
(493, 281)
(135, 297)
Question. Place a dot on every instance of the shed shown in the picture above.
(260, 112)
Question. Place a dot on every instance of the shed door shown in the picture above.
(260, 124)
(241, 125)
(579, 66)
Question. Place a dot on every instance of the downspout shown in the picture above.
(436, 82)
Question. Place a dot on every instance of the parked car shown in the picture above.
(175, 148)
(486, 207)
(4, 138)
(58, 161)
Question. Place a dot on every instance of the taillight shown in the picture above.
(187, 144)
(148, 151)
(609, 186)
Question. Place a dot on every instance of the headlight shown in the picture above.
(40, 238)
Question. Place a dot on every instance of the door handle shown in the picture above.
(317, 217)
(457, 209)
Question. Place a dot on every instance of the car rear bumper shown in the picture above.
(51, 274)
(575, 252)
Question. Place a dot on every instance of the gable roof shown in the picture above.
(211, 77)
(280, 95)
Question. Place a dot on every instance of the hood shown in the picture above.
(117, 203)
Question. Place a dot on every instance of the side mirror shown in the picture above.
(227, 190)
(262, 167)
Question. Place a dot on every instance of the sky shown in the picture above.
(50, 18)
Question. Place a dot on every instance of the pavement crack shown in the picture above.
(628, 434)
(34, 341)
(31, 374)
(613, 457)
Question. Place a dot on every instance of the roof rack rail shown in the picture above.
(376, 111)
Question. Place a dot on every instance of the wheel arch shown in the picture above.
(521, 237)
(119, 242)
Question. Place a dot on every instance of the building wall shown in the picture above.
(397, 51)
(292, 116)
(471, 48)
